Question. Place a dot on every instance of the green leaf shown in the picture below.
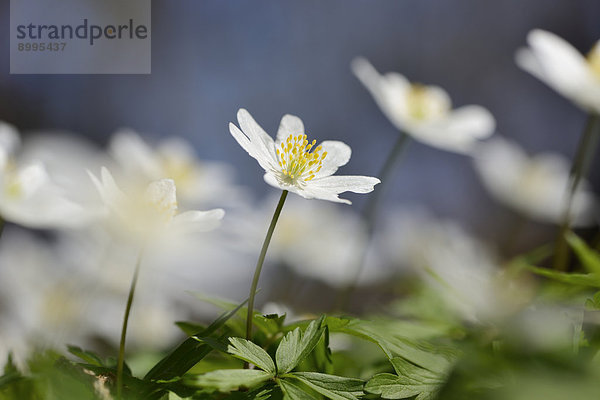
(226, 380)
(591, 279)
(190, 328)
(295, 346)
(86, 356)
(423, 354)
(188, 353)
(252, 353)
(410, 381)
(293, 392)
(589, 258)
(331, 386)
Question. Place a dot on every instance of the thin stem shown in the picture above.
(121, 358)
(370, 211)
(583, 157)
(370, 214)
(259, 264)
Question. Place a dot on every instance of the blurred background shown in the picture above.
(211, 57)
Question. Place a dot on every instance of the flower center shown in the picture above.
(297, 161)
(593, 59)
(423, 103)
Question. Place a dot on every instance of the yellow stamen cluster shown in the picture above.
(296, 159)
(594, 60)
(417, 101)
(423, 103)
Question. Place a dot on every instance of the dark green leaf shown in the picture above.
(190, 328)
(188, 353)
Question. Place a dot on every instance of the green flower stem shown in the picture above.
(259, 264)
(370, 214)
(583, 157)
(372, 207)
(121, 359)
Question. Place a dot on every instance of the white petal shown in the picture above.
(258, 137)
(197, 221)
(314, 192)
(134, 155)
(338, 154)
(561, 66)
(389, 91)
(346, 183)
(265, 161)
(289, 125)
(272, 180)
(163, 194)
(308, 192)
(459, 132)
(109, 191)
(32, 178)
(9, 137)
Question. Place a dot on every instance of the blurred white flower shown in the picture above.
(458, 268)
(67, 157)
(198, 183)
(41, 303)
(558, 64)
(323, 242)
(535, 186)
(151, 212)
(27, 194)
(292, 163)
(425, 112)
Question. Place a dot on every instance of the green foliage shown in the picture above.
(230, 379)
(248, 351)
(295, 346)
(410, 380)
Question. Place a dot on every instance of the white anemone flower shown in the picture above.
(151, 212)
(535, 186)
(558, 64)
(425, 112)
(293, 163)
(198, 182)
(28, 196)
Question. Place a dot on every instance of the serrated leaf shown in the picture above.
(293, 392)
(295, 346)
(252, 353)
(589, 258)
(331, 386)
(435, 359)
(226, 380)
(410, 381)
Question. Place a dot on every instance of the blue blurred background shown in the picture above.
(211, 57)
